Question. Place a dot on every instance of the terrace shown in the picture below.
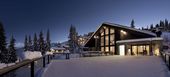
(108, 66)
(72, 65)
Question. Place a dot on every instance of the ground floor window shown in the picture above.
(108, 49)
(140, 50)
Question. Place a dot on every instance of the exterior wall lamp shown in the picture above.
(123, 32)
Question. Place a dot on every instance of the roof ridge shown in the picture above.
(123, 26)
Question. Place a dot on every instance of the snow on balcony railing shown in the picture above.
(31, 62)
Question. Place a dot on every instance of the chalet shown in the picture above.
(117, 39)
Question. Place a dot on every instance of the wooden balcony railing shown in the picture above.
(166, 59)
(45, 60)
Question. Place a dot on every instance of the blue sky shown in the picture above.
(21, 17)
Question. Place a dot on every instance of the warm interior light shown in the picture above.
(104, 27)
(157, 52)
(122, 50)
(96, 37)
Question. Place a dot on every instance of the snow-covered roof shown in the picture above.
(121, 26)
(58, 48)
(126, 27)
(92, 35)
(139, 40)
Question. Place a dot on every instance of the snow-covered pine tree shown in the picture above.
(35, 44)
(30, 44)
(3, 49)
(26, 43)
(41, 43)
(12, 51)
(48, 41)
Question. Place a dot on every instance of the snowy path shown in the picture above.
(108, 66)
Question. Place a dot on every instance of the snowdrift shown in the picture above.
(31, 55)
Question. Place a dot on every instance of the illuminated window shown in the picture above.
(147, 49)
(107, 30)
(134, 50)
(112, 31)
(102, 41)
(112, 49)
(102, 48)
(102, 32)
(107, 49)
(112, 39)
(107, 40)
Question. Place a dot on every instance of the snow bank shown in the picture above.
(49, 53)
(67, 51)
(74, 55)
(2, 65)
(31, 55)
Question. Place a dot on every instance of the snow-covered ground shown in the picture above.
(108, 66)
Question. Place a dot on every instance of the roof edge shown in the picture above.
(126, 27)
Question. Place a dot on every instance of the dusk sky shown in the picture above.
(21, 17)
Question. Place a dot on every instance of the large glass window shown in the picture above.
(112, 31)
(102, 41)
(106, 49)
(102, 32)
(107, 31)
(134, 50)
(107, 40)
(140, 50)
(112, 39)
(112, 49)
(102, 48)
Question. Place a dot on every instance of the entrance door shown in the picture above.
(122, 50)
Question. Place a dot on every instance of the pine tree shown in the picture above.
(30, 44)
(147, 28)
(166, 24)
(48, 42)
(3, 49)
(151, 27)
(157, 26)
(132, 24)
(35, 45)
(41, 43)
(73, 39)
(162, 24)
(169, 26)
(26, 44)
(12, 51)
